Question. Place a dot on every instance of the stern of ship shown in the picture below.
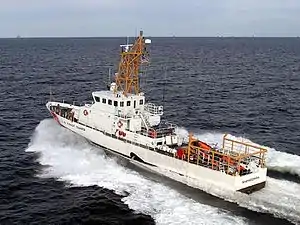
(238, 166)
(251, 182)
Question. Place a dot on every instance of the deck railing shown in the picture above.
(154, 109)
(234, 158)
(159, 131)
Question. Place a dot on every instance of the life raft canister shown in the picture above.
(204, 146)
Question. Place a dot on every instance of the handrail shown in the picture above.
(153, 108)
(242, 143)
(231, 159)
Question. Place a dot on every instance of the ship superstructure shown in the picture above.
(121, 120)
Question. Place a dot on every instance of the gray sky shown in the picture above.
(36, 18)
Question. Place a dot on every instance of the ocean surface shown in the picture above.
(247, 87)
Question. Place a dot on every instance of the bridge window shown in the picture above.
(109, 101)
(128, 103)
(122, 104)
(104, 100)
(141, 102)
(116, 103)
(97, 99)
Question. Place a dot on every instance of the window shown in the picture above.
(128, 103)
(122, 104)
(104, 100)
(109, 101)
(97, 99)
(116, 103)
(141, 102)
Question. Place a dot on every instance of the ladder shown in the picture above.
(145, 121)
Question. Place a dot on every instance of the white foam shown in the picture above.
(283, 162)
(72, 159)
(279, 197)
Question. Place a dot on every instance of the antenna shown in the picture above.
(164, 87)
(109, 79)
(50, 94)
(109, 75)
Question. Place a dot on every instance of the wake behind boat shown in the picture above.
(121, 120)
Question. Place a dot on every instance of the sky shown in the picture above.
(90, 18)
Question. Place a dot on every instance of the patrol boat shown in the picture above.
(121, 120)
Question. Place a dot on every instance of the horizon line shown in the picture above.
(174, 36)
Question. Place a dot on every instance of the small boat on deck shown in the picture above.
(123, 121)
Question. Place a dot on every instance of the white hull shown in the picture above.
(181, 168)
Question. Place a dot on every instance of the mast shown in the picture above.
(50, 94)
(132, 57)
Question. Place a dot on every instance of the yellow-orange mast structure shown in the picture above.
(132, 57)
